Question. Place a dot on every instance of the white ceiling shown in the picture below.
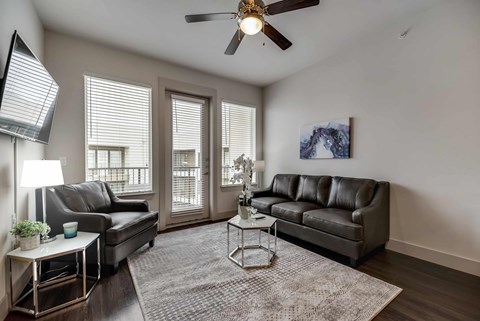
(157, 28)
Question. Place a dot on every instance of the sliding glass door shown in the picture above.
(188, 165)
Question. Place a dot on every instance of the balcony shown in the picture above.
(187, 188)
(119, 177)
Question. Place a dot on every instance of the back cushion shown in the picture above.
(285, 185)
(351, 193)
(95, 196)
(314, 189)
(72, 198)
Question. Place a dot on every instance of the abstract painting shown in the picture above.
(329, 139)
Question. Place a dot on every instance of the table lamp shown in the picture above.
(42, 173)
(259, 167)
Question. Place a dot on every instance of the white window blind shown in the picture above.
(189, 137)
(118, 143)
(238, 136)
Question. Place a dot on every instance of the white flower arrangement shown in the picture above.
(244, 168)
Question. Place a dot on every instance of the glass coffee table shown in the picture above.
(264, 224)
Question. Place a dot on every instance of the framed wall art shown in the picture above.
(328, 139)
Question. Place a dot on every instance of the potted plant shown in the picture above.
(28, 233)
(243, 167)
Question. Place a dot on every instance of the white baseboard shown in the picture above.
(449, 260)
(3, 307)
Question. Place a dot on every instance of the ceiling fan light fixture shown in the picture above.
(251, 24)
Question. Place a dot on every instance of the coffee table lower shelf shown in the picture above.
(244, 225)
(250, 247)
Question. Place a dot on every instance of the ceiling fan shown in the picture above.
(250, 18)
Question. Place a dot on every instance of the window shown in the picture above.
(238, 136)
(118, 143)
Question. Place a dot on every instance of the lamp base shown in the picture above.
(47, 239)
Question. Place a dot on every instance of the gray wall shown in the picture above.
(68, 59)
(415, 108)
(20, 16)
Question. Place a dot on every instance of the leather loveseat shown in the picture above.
(124, 225)
(349, 216)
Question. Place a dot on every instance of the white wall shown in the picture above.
(68, 59)
(20, 16)
(415, 105)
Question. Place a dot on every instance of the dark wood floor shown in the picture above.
(430, 292)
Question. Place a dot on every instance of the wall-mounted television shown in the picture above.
(28, 95)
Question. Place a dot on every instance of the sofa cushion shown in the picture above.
(292, 211)
(334, 221)
(127, 224)
(314, 189)
(95, 196)
(351, 193)
(285, 186)
(72, 198)
(264, 204)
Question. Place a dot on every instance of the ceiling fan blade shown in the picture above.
(276, 36)
(210, 16)
(235, 42)
(289, 5)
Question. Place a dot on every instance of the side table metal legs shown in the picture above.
(37, 284)
(35, 287)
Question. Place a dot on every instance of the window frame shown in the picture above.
(148, 191)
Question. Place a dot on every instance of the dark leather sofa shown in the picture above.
(124, 225)
(349, 216)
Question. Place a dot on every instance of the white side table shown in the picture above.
(57, 248)
(265, 224)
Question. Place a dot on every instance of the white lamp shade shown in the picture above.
(40, 173)
(259, 166)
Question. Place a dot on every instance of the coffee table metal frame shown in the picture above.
(57, 248)
(260, 225)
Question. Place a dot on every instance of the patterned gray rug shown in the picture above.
(187, 276)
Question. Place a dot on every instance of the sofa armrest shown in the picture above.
(262, 193)
(123, 205)
(89, 222)
(375, 218)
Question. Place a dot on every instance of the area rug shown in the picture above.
(188, 276)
